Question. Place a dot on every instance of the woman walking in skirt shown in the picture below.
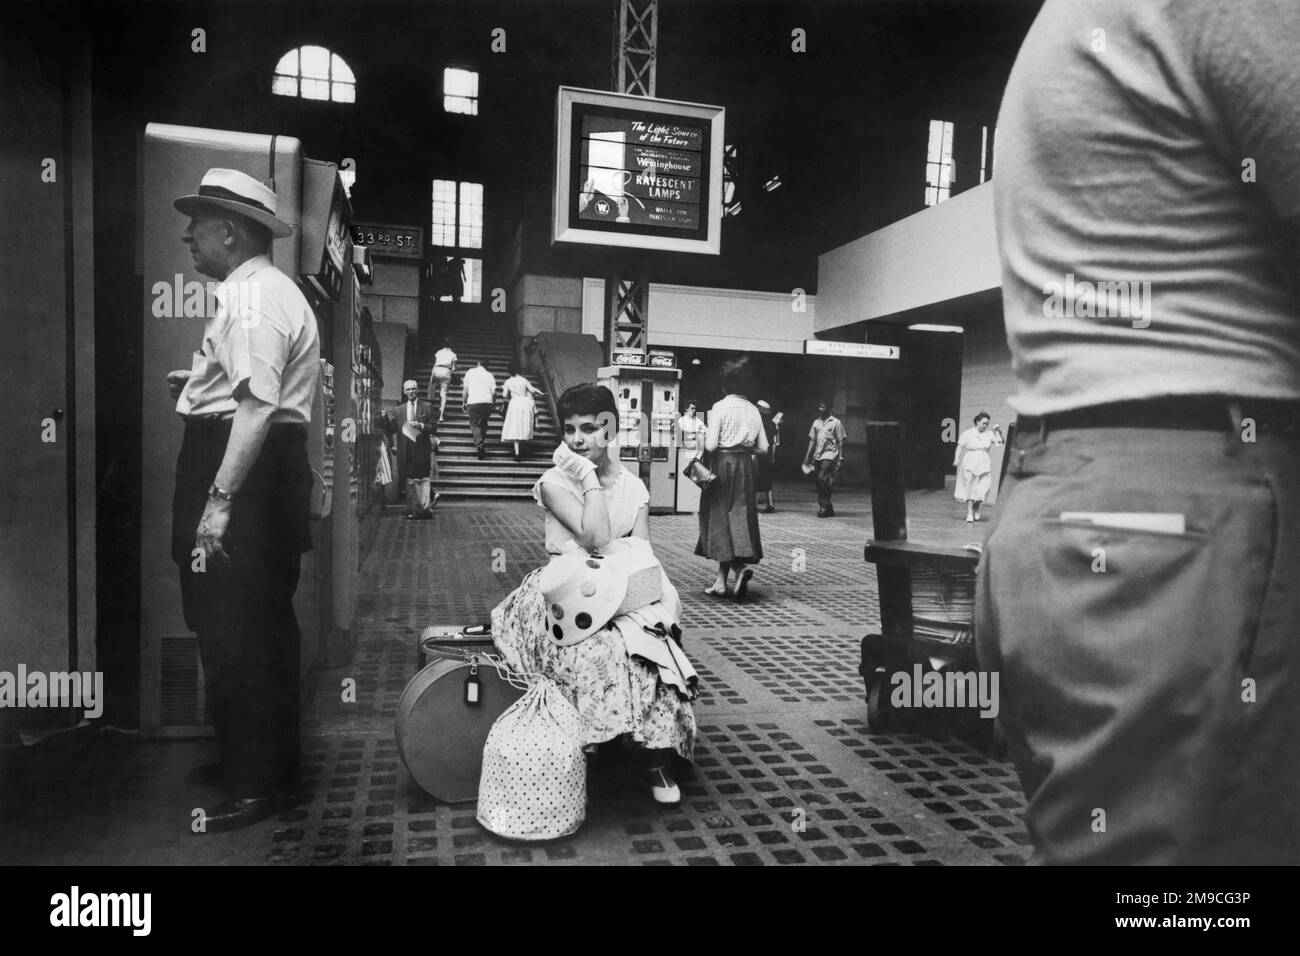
(519, 392)
(974, 468)
(728, 518)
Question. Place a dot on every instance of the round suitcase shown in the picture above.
(440, 735)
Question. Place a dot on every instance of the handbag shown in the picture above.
(699, 473)
(533, 784)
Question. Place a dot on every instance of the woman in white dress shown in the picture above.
(974, 467)
(519, 392)
(691, 429)
(591, 499)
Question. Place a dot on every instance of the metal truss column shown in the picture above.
(636, 45)
(627, 308)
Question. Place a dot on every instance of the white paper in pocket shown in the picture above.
(1164, 522)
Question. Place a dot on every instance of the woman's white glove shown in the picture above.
(572, 464)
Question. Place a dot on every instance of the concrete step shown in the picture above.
(459, 431)
(538, 449)
(497, 457)
(524, 472)
(484, 484)
(470, 493)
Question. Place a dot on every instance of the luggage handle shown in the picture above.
(520, 680)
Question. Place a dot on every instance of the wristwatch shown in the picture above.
(216, 491)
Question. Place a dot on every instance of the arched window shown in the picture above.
(314, 73)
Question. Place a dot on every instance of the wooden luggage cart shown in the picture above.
(927, 594)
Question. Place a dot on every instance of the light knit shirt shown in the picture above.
(827, 438)
(480, 386)
(262, 333)
(444, 357)
(737, 420)
(1141, 198)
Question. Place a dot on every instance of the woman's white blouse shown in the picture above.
(624, 500)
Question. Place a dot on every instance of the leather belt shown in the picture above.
(214, 417)
(1219, 413)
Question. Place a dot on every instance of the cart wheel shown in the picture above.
(990, 738)
(999, 749)
(880, 713)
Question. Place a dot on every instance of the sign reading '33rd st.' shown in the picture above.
(403, 242)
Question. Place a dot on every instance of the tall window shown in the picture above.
(457, 214)
(460, 91)
(314, 73)
(939, 172)
(457, 225)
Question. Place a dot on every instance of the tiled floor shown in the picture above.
(785, 772)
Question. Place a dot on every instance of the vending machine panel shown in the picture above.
(647, 399)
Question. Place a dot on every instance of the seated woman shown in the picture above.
(590, 499)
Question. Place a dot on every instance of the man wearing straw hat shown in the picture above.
(243, 487)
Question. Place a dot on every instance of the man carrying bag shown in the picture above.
(414, 423)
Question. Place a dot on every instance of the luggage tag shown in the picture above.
(473, 689)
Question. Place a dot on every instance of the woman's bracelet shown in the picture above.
(587, 491)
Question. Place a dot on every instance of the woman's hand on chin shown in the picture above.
(572, 464)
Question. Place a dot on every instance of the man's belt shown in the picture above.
(1187, 412)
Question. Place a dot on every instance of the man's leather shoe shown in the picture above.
(208, 775)
(235, 814)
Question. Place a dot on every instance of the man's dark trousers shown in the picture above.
(1154, 674)
(825, 481)
(242, 609)
(479, 413)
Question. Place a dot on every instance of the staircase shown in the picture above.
(460, 472)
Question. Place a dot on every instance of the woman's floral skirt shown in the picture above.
(615, 694)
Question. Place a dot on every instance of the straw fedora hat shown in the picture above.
(237, 192)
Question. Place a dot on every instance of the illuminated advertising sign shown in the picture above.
(637, 172)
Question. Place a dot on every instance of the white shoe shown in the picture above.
(662, 787)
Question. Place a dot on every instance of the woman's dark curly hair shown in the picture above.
(586, 399)
(738, 377)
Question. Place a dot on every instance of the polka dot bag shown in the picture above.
(534, 782)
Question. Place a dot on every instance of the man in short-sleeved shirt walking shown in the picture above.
(825, 455)
(243, 485)
(480, 395)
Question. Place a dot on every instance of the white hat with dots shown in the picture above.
(583, 593)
